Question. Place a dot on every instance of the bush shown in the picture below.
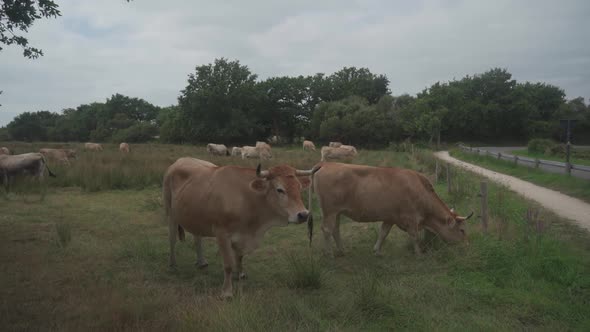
(541, 145)
(138, 133)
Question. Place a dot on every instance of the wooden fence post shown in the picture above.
(448, 178)
(436, 172)
(515, 160)
(484, 205)
(499, 155)
(537, 162)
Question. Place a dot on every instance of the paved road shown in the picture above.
(553, 169)
(571, 208)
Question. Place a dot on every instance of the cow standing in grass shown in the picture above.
(235, 205)
(32, 164)
(236, 151)
(308, 146)
(338, 153)
(124, 147)
(93, 146)
(393, 196)
(60, 155)
(217, 149)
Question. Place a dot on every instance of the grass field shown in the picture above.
(577, 158)
(93, 255)
(568, 185)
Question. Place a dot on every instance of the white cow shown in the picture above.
(217, 149)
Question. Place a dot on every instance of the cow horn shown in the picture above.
(260, 173)
(308, 172)
(465, 218)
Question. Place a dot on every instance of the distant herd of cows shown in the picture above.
(237, 205)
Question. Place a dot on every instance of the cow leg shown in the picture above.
(329, 224)
(172, 233)
(239, 273)
(385, 228)
(227, 253)
(336, 236)
(201, 261)
(415, 239)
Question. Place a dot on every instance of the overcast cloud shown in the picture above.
(146, 48)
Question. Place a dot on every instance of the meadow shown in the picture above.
(89, 251)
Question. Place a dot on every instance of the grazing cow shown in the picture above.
(93, 146)
(335, 144)
(124, 147)
(235, 205)
(236, 151)
(59, 155)
(4, 150)
(249, 152)
(33, 164)
(330, 153)
(349, 147)
(264, 150)
(261, 150)
(394, 196)
(308, 145)
(217, 149)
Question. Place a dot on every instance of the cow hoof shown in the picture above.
(378, 254)
(202, 264)
(226, 295)
(242, 275)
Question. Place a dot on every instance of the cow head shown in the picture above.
(71, 153)
(282, 187)
(455, 230)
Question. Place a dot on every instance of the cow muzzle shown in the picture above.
(299, 218)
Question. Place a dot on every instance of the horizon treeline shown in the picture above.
(224, 102)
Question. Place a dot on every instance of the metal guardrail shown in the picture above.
(516, 159)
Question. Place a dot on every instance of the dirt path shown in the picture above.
(568, 207)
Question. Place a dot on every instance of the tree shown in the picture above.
(17, 16)
(350, 81)
(32, 126)
(220, 103)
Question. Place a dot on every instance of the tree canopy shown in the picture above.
(17, 16)
(225, 102)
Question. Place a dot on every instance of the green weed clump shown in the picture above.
(305, 272)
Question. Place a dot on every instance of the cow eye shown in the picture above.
(280, 191)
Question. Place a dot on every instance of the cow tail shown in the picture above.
(167, 196)
(47, 166)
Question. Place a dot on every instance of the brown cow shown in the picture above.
(93, 146)
(308, 145)
(331, 153)
(4, 150)
(124, 147)
(33, 164)
(394, 196)
(59, 155)
(235, 205)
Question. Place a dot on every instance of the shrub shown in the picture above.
(540, 145)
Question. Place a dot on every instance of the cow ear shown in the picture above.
(305, 181)
(259, 185)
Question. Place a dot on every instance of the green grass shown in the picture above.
(568, 185)
(574, 160)
(113, 274)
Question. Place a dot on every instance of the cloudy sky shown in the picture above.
(146, 48)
